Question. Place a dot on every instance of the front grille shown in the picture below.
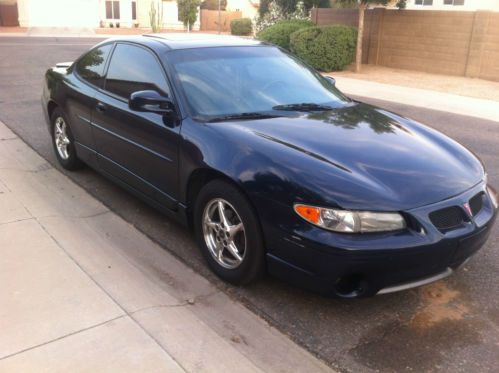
(447, 218)
(476, 203)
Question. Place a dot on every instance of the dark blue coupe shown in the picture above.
(274, 168)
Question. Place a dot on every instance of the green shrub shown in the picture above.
(279, 33)
(241, 26)
(325, 48)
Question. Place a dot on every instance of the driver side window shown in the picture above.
(133, 69)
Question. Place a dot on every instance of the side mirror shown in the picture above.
(151, 101)
(331, 80)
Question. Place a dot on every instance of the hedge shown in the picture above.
(326, 48)
(241, 26)
(280, 32)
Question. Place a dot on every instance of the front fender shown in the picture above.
(249, 161)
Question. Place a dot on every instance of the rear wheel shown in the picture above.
(228, 233)
(63, 141)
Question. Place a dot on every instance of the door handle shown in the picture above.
(101, 107)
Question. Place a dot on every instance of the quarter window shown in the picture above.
(112, 9)
(91, 66)
(133, 69)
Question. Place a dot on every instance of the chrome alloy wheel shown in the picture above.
(61, 138)
(224, 233)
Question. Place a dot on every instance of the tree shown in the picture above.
(276, 14)
(309, 4)
(362, 5)
(188, 12)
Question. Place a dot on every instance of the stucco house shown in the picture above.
(103, 13)
(94, 13)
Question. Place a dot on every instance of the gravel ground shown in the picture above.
(457, 85)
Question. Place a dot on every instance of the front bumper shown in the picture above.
(353, 266)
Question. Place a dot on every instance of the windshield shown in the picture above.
(227, 81)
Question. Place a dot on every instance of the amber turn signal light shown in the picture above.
(309, 213)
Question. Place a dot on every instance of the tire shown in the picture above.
(68, 158)
(251, 266)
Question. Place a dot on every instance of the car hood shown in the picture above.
(362, 157)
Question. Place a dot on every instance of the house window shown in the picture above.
(453, 2)
(134, 10)
(423, 2)
(112, 9)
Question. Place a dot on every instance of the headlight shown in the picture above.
(492, 195)
(351, 221)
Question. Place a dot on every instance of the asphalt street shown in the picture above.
(450, 326)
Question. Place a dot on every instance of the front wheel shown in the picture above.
(228, 233)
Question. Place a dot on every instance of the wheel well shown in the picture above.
(50, 108)
(200, 178)
(197, 180)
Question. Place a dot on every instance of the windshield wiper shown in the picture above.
(247, 116)
(304, 106)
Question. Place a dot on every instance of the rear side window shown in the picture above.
(91, 66)
(133, 69)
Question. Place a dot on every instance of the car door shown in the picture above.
(138, 148)
(79, 98)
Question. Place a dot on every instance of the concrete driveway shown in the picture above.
(452, 325)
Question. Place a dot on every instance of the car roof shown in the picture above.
(198, 40)
(171, 41)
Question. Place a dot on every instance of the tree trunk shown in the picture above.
(358, 54)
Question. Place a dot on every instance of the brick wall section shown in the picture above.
(428, 42)
(444, 42)
(483, 59)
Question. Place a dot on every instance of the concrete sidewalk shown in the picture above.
(84, 291)
(462, 105)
